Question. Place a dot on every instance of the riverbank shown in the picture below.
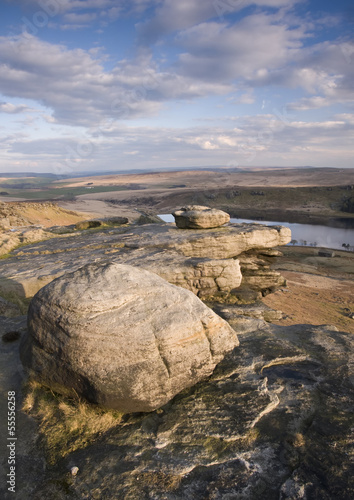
(342, 220)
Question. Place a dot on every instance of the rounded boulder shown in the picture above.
(122, 337)
(199, 217)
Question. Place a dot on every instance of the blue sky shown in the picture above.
(102, 85)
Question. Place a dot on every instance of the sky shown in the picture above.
(104, 85)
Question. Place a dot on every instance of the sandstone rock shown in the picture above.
(115, 221)
(227, 242)
(273, 422)
(259, 311)
(199, 217)
(148, 219)
(62, 229)
(12, 239)
(207, 278)
(256, 272)
(201, 261)
(122, 337)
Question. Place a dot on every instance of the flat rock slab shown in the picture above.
(122, 337)
(220, 243)
(275, 422)
(177, 252)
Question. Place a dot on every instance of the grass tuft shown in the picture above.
(65, 424)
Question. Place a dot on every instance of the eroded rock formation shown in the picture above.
(203, 261)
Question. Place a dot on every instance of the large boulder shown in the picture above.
(122, 337)
(199, 217)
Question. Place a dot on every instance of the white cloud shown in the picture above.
(74, 84)
(254, 140)
(174, 15)
(264, 50)
(213, 55)
(7, 107)
(80, 18)
(219, 51)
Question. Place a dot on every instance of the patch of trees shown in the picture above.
(348, 205)
(23, 185)
(232, 194)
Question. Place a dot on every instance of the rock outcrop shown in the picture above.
(274, 421)
(122, 337)
(199, 217)
(258, 279)
(203, 261)
(12, 239)
(94, 223)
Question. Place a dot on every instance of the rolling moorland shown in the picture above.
(293, 195)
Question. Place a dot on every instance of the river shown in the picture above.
(305, 234)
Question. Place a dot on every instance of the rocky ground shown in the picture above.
(16, 215)
(24, 223)
(274, 421)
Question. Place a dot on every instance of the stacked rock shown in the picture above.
(199, 217)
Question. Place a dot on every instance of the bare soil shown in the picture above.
(99, 209)
(49, 215)
(319, 289)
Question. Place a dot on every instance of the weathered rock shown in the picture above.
(88, 224)
(256, 272)
(201, 261)
(273, 422)
(226, 242)
(116, 221)
(12, 239)
(9, 216)
(199, 217)
(62, 229)
(122, 337)
(148, 219)
(206, 278)
(94, 223)
(233, 313)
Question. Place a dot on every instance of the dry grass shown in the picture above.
(319, 290)
(65, 425)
